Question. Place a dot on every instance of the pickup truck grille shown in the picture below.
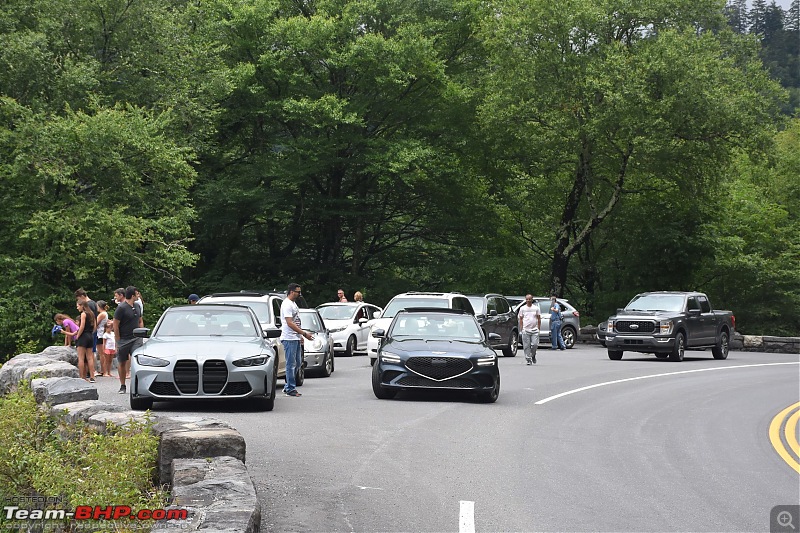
(635, 326)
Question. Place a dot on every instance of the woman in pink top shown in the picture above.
(68, 327)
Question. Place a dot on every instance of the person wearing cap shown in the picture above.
(193, 298)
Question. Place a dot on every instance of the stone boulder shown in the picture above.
(14, 370)
(218, 493)
(74, 412)
(56, 391)
(191, 442)
(56, 369)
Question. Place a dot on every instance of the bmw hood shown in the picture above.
(202, 347)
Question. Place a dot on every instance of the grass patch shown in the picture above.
(73, 465)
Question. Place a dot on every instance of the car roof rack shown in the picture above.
(433, 310)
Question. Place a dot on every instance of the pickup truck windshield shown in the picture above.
(656, 302)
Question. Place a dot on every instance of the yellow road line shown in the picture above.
(791, 432)
(775, 435)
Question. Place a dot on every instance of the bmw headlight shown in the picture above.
(337, 330)
(251, 361)
(487, 361)
(146, 360)
(390, 357)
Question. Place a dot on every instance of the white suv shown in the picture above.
(444, 300)
(267, 307)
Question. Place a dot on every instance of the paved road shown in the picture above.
(678, 452)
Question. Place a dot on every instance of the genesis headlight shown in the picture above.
(390, 357)
(146, 360)
(487, 361)
(665, 327)
(251, 361)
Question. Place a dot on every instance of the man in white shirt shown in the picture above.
(530, 319)
(290, 337)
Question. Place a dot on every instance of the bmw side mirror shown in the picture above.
(494, 337)
(376, 314)
(272, 333)
(492, 313)
(363, 320)
(379, 333)
(141, 333)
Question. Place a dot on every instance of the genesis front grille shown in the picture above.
(635, 326)
(419, 381)
(186, 375)
(215, 375)
(439, 368)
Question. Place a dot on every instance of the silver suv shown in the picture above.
(267, 307)
(570, 318)
(443, 300)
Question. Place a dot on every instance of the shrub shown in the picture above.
(75, 464)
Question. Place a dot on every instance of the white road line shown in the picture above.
(555, 397)
(466, 520)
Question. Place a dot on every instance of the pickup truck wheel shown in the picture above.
(720, 351)
(679, 349)
(615, 355)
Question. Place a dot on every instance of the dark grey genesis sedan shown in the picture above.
(434, 348)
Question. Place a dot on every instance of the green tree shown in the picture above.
(591, 104)
(341, 142)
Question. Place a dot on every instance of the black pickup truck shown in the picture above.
(668, 323)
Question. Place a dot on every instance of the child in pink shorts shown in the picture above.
(109, 348)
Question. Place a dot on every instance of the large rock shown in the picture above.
(14, 370)
(101, 420)
(55, 391)
(75, 412)
(198, 442)
(56, 369)
(67, 354)
(218, 494)
(753, 341)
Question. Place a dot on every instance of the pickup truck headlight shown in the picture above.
(665, 327)
(610, 326)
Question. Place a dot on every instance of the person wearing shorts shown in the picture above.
(126, 319)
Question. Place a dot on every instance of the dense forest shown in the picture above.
(588, 148)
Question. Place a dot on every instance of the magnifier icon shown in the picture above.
(785, 519)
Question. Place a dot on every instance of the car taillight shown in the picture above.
(575, 313)
(733, 321)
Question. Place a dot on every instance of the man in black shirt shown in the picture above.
(126, 319)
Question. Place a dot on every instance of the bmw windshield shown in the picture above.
(196, 320)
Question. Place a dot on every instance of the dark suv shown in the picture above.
(495, 315)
